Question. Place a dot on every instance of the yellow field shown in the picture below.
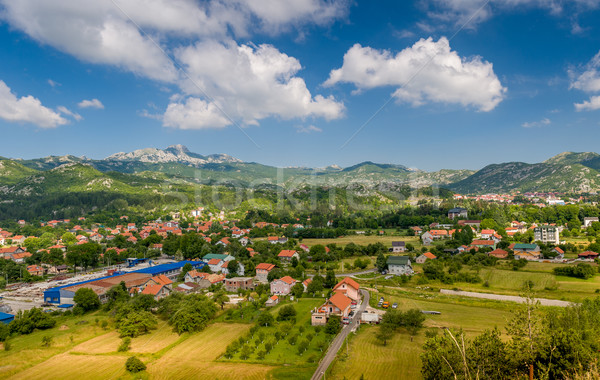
(194, 357)
(364, 240)
(69, 366)
(399, 359)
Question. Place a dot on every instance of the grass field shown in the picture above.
(365, 240)
(399, 359)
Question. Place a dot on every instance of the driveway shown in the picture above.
(336, 344)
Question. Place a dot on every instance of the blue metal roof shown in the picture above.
(6, 317)
(158, 269)
(65, 305)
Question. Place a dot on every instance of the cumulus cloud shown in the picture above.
(27, 109)
(589, 105)
(535, 124)
(246, 83)
(588, 81)
(93, 103)
(428, 71)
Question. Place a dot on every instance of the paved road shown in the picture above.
(500, 297)
(335, 346)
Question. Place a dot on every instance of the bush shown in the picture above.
(287, 313)
(333, 325)
(125, 344)
(134, 365)
(46, 341)
(581, 270)
(86, 299)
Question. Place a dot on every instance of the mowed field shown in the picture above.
(167, 356)
(399, 359)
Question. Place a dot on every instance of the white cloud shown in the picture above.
(27, 109)
(245, 85)
(470, 13)
(308, 129)
(589, 105)
(53, 83)
(426, 72)
(68, 112)
(589, 82)
(94, 103)
(248, 83)
(535, 124)
(194, 113)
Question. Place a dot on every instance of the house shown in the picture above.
(399, 265)
(235, 283)
(439, 234)
(215, 265)
(197, 278)
(305, 283)
(471, 223)
(417, 230)
(157, 291)
(526, 251)
(457, 212)
(35, 270)
(349, 287)
(277, 239)
(398, 246)
(498, 253)
(587, 221)
(58, 269)
(287, 254)
(272, 301)
(283, 286)
(305, 248)
(427, 238)
(220, 256)
(6, 318)
(161, 279)
(338, 304)
(560, 254)
(487, 234)
(262, 271)
(546, 234)
(590, 255)
(484, 243)
(427, 255)
(5, 252)
(188, 287)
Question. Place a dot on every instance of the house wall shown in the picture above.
(280, 287)
(400, 269)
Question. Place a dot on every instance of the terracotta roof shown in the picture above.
(498, 253)
(288, 280)
(152, 289)
(162, 279)
(349, 282)
(265, 266)
(340, 301)
(287, 253)
(483, 242)
(557, 249)
(430, 255)
(214, 261)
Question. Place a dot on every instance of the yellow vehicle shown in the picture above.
(385, 305)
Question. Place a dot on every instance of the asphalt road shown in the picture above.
(336, 344)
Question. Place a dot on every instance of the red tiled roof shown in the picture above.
(265, 266)
(287, 253)
(213, 261)
(162, 279)
(152, 289)
(349, 282)
(483, 242)
(288, 280)
(340, 300)
(430, 255)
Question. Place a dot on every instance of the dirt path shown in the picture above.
(500, 297)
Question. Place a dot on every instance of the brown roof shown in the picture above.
(287, 253)
(152, 289)
(162, 279)
(288, 280)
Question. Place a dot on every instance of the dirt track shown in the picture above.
(500, 297)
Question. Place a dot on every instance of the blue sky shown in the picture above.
(430, 84)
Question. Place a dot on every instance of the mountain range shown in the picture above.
(566, 172)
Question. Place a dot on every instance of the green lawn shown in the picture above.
(365, 240)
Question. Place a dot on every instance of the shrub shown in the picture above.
(134, 365)
(125, 344)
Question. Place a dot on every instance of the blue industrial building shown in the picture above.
(63, 295)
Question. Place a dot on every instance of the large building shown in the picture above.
(399, 265)
(546, 234)
(457, 212)
(64, 294)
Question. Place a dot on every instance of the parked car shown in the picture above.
(395, 305)
(379, 304)
(385, 305)
(381, 299)
(388, 277)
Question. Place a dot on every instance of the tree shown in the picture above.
(186, 268)
(330, 280)
(298, 290)
(136, 323)
(302, 346)
(385, 333)
(381, 263)
(220, 298)
(134, 365)
(86, 299)
(333, 325)
(233, 267)
(287, 313)
(265, 319)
